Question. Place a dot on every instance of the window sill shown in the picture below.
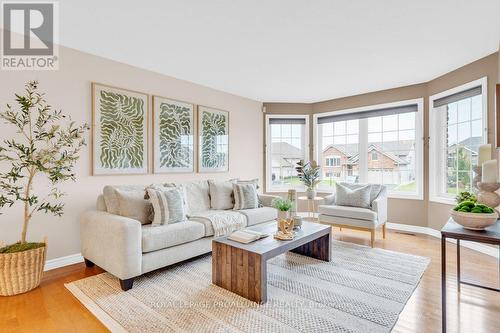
(405, 196)
(443, 200)
(284, 189)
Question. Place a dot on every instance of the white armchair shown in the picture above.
(367, 219)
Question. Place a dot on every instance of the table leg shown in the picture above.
(443, 283)
(318, 248)
(458, 265)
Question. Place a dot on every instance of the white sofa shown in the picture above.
(367, 219)
(127, 248)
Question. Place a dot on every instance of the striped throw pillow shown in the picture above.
(168, 205)
(245, 196)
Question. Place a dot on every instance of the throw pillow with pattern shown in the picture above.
(168, 205)
(245, 196)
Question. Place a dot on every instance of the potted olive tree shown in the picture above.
(47, 145)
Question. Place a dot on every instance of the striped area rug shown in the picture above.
(360, 290)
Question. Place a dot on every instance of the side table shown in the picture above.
(490, 235)
(312, 207)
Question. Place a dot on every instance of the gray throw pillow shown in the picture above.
(168, 205)
(245, 196)
(359, 197)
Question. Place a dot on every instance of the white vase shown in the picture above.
(311, 193)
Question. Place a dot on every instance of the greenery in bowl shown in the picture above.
(465, 196)
(472, 207)
(283, 205)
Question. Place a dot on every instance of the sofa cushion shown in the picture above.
(197, 196)
(358, 197)
(220, 222)
(348, 212)
(259, 215)
(245, 196)
(118, 198)
(168, 205)
(221, 194)
(168, 235)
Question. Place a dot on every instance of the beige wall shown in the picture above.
(405, 211)
(69, 89)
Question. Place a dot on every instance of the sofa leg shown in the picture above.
(126, 284)
(88, 263)
(383, 230)
(372, 238)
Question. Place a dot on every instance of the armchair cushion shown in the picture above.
(348, 212)
(375, 189)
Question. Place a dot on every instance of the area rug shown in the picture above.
(360, 290)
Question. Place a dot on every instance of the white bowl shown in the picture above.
(474, 221)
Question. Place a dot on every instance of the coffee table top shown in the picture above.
(489, 235)
(270, 247)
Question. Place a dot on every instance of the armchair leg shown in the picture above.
(126, 284)
(372, 238)
(383, 230)
(88, 263)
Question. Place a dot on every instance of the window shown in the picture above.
(332, 161)
(458, 126)
(374, 144)
(286, 144)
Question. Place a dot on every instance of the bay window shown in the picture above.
(375, 144)
(458, 126)
(286, 144)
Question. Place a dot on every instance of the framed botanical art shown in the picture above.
(173, 131)
(119, 131)
(213, 149)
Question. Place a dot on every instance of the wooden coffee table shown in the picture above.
(242, 268)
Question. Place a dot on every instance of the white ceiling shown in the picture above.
(287, 50)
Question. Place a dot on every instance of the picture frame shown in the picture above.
(119, 130)
(173, 135)
(213, 140)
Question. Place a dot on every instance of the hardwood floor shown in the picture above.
(51, 308)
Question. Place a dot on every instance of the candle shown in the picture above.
(490, 171)
(484, 153)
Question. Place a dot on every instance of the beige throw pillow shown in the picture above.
(133, 205)
(221, 194)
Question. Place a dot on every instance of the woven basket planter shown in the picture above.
(21, 271)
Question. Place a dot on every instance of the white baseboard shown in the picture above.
(491, 251)
(63, 261)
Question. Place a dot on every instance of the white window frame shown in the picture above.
(269, 187)
(435, 132)
(363, 142)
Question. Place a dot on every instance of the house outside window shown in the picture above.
(286, 144)
(375, 144)
(458, 126)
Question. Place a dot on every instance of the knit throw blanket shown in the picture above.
(223, 222)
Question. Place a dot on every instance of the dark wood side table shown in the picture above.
(490, 235)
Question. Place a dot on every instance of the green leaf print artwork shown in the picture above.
(122, 141)
(214, 140)
(175, 136)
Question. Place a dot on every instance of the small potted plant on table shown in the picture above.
(44, 147)
(308, 174)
